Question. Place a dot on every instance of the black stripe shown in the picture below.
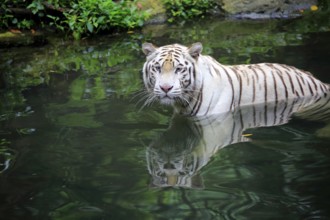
(322, 88)
(254, 82)
(194, 71)
(302, 80)
(275, 88)
(214, 70)
(313, 81)
(247, 78)
(301, 88)
(291, 83)
(240, 89)
(217, 72)
(232, 88)
(283, 111)
(187, 81)
(292, 106)
(276, 98)
(253, 89)
(275, 114)
(198, 102)
(240, 84)
(237, 74)
(265, 87)
(310, 88)
(241, 120)
(265, 82)
(233, 131)
(210, 103)
(194, 81)
(256, 74)
(288, 68)
(285, 88)
(274, 67)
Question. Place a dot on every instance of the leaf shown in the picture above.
(100, 19)
(90, 27)
(314, 8)
(247, 135)
(14, 21)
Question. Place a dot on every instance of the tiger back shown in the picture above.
(197, 85)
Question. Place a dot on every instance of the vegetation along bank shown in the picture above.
(80, 18)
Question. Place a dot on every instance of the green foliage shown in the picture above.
(75, 17)
(95, 15)
(5, 15)
(37, 8)
(186, 9)
(9, 19)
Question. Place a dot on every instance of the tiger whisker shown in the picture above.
(143, 96)
(139, 93)
(150, 99)
(186, 101)
(192, 97)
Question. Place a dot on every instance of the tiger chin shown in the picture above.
(198, 85)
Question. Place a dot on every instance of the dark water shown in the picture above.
(74, 144)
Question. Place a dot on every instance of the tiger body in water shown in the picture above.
(177, 155)
(197, 85)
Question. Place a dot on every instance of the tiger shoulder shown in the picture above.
(196, 84)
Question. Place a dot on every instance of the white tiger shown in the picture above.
(197, 84)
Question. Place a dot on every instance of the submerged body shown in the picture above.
(198, 85)
(176, 156)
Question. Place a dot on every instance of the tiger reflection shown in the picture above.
(176, 156)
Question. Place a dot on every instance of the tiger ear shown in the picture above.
(195, 50)
(148, 48)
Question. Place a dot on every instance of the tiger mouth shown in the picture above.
(167, 100)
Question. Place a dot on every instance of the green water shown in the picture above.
(74, 143)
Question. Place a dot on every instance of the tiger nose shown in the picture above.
(169, 166)
(166, 88)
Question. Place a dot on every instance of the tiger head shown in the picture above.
(169, 72)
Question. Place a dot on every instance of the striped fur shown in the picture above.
(197, 84)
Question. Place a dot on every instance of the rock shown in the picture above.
(260, 9)
(256, 6)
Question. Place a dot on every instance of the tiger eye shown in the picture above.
(157, 68)
(178, 70)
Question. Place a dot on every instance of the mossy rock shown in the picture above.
(239, 6)
(156, 10)
(10, 39)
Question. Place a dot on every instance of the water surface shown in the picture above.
(74, 143)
